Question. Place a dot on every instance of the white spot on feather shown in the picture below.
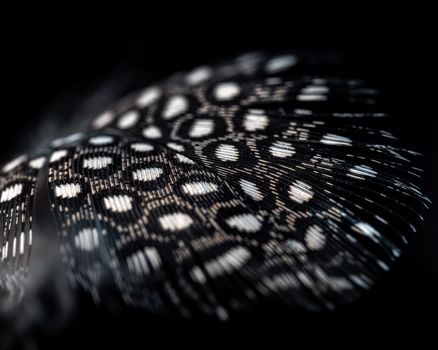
(103, 120)
(175, 222)
(227, 153)
(201, 128)
(67, 190)
(226, 91)
(198, 75)
(148, 97)
(87, 239)
(255, 122)
(67, 139)
(147, 174)
(175, 146)
(175, 106)
(128, 120)
(251, 189)
(311, 97)
(232, 260)
(315, 89)
(11, 192)
(315, 238)
(142, 147)
(13, 164)
(280, 63)
(97, 162)
(300, 192)
(101, 140)
(244, 222)
(199, 188)
(138, 262)
(57, 155)
(37, 163)
(152, 132)
(118, 203)
(332, 139)
(282, 149)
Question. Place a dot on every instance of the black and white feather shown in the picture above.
(223, 188)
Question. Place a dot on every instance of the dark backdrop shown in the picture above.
(55, 57)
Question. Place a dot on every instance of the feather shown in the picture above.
(229, 186)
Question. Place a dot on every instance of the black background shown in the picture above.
(54, 58)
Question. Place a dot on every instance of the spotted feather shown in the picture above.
(222, 188)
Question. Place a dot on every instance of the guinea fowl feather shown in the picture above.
(222, 188)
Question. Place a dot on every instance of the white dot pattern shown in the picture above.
(227, 153)
(175, 106)
(11, 192)
(87, 239)
(199, 188)
(152, 132)
(300, 192)
(147, 174)
(128, 120)
(255, 122)
(226, 91)
(281, 149)
(118, 203)
(101, 140)
(235, 179)
(96, 163)
(70, 190)
(247, 223)
(201, 128)
(175, 221)
(251, 190)
(148, 97)
(103, 120)
(280, 63)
